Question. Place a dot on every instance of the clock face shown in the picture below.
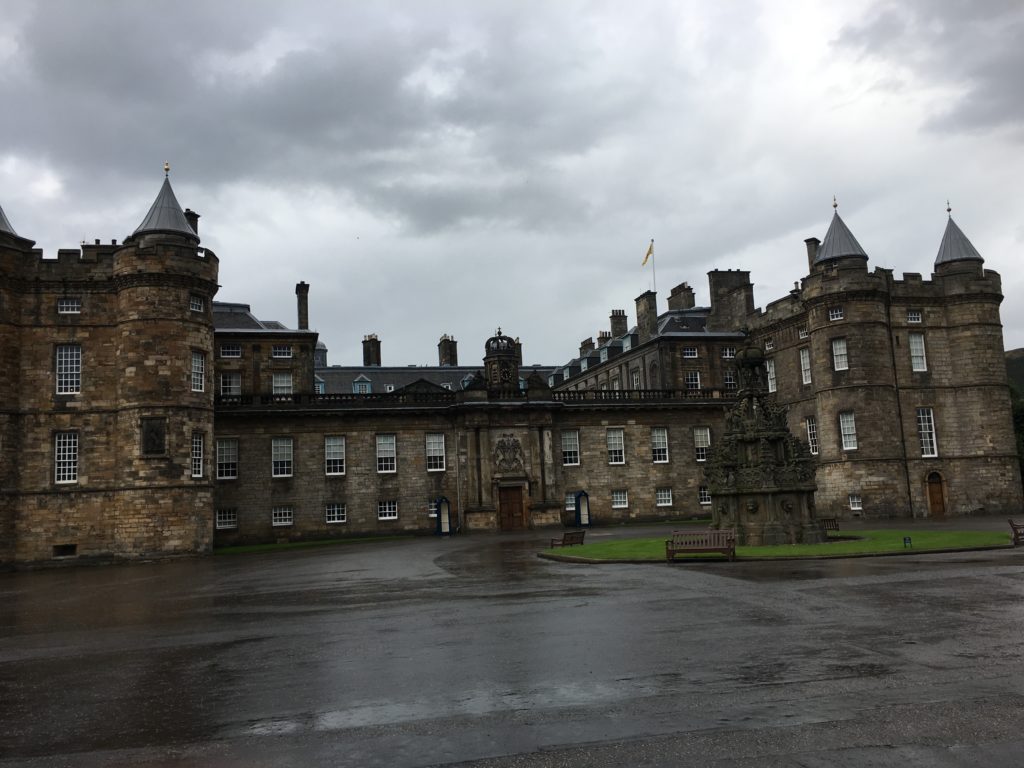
(506, 373)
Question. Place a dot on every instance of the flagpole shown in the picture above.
(654, 270)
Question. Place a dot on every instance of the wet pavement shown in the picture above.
(473, 651)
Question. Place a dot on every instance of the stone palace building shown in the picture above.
(141, 418)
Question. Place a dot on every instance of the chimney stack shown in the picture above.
(193, 219)
(619, 324)
(371, 350)
(812, 244)
(586, 346)
(646, 316)
(447, 351)
(681, 297)
(603, 337)
(302, 299)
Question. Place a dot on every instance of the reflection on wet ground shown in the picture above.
(443, 651)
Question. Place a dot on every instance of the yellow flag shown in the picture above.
(650, 252)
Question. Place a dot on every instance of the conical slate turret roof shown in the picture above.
(839, 242)
(5, 225)
(165, 215)
(955, 246)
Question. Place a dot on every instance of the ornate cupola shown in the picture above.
(956, 252)
(501, 363)
(165, 216)
(839, 242)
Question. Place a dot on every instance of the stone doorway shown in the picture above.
(510, 508)
(936, 500)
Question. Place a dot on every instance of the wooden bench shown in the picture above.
(830, 523)
(569, 538)
(710, 540)
(1017, 532)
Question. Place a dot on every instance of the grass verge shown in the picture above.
(866, 543)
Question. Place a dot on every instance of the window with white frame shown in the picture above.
(196, 303)
(769, 345)
(387, 510)
(69, 305)
(570, 501)
(728, 353)
(198, 445)
(361, 387)
(431, 507)
(226, 519)
(334, 455)
(692, 380)
(636, 379)
(69, 369)
(616, 442)
(701, 442)
(570, 447)
(65, 457)
(319, 387)
(855, 503)
(435, 451)
(729, 378)
(387, 457)
(227, 458)
(848, 430)
(282, 516)
(198, 371)
(840, 360)
(281, 383)
(802, 333)
(335, 513)
(805, 365)
(659, 445)
(627, 343)
(281, 351)
(913, 315)
(663, 497)
(230, 384)
(812, 434)
(918, 361)
(769, 367)
(603, 354)
(703, 496)
(926, 432)
(282, 451)
(835, 313)
(230, 350)
(620, 499)
(584, 364)
(690, 353)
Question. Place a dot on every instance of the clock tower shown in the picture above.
(501, 363)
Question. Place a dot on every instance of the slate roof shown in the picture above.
(839, 242)
(165, 215)
(338, 379)
(5, 225)
(238, 317)
(955, 246)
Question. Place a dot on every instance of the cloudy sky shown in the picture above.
(437, 167)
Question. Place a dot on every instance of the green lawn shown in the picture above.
(869, 542)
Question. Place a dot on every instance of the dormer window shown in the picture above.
(627, 343)
(604, 355)
(583, 364)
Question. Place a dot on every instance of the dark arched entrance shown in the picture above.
(936, 499)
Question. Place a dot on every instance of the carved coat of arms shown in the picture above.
(508, 454)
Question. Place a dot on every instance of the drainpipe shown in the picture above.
(899, 403)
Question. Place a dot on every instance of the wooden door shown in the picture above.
(936, 504)
(510, 509)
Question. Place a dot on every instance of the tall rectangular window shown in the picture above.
(65, 457)
(812, 435)
(769, 367)
(848, 430)
(227, 458)
(435, 451)
(387, 510)
(282, 516)
(198, 444)
(334, 455)
(616, 446)
(282, 383)
(659, 445)
(805, 365)
(692, 380)
(196, 303)
(335, 513)
(198, 371)
(730, 379)
(281, 456)
(281, 351)
(918, 361)
(620, 499)
(926, 431)
(69, 369)
(387, 458)
(570, 448)
(636, 379)
(701, 442)
(231, 384)
(663, 497)
(570, 501)
(840, 360)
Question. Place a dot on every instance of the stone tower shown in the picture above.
(501, 363)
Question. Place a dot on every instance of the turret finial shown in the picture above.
(949, 210)
(835, 205)
(167, 169)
